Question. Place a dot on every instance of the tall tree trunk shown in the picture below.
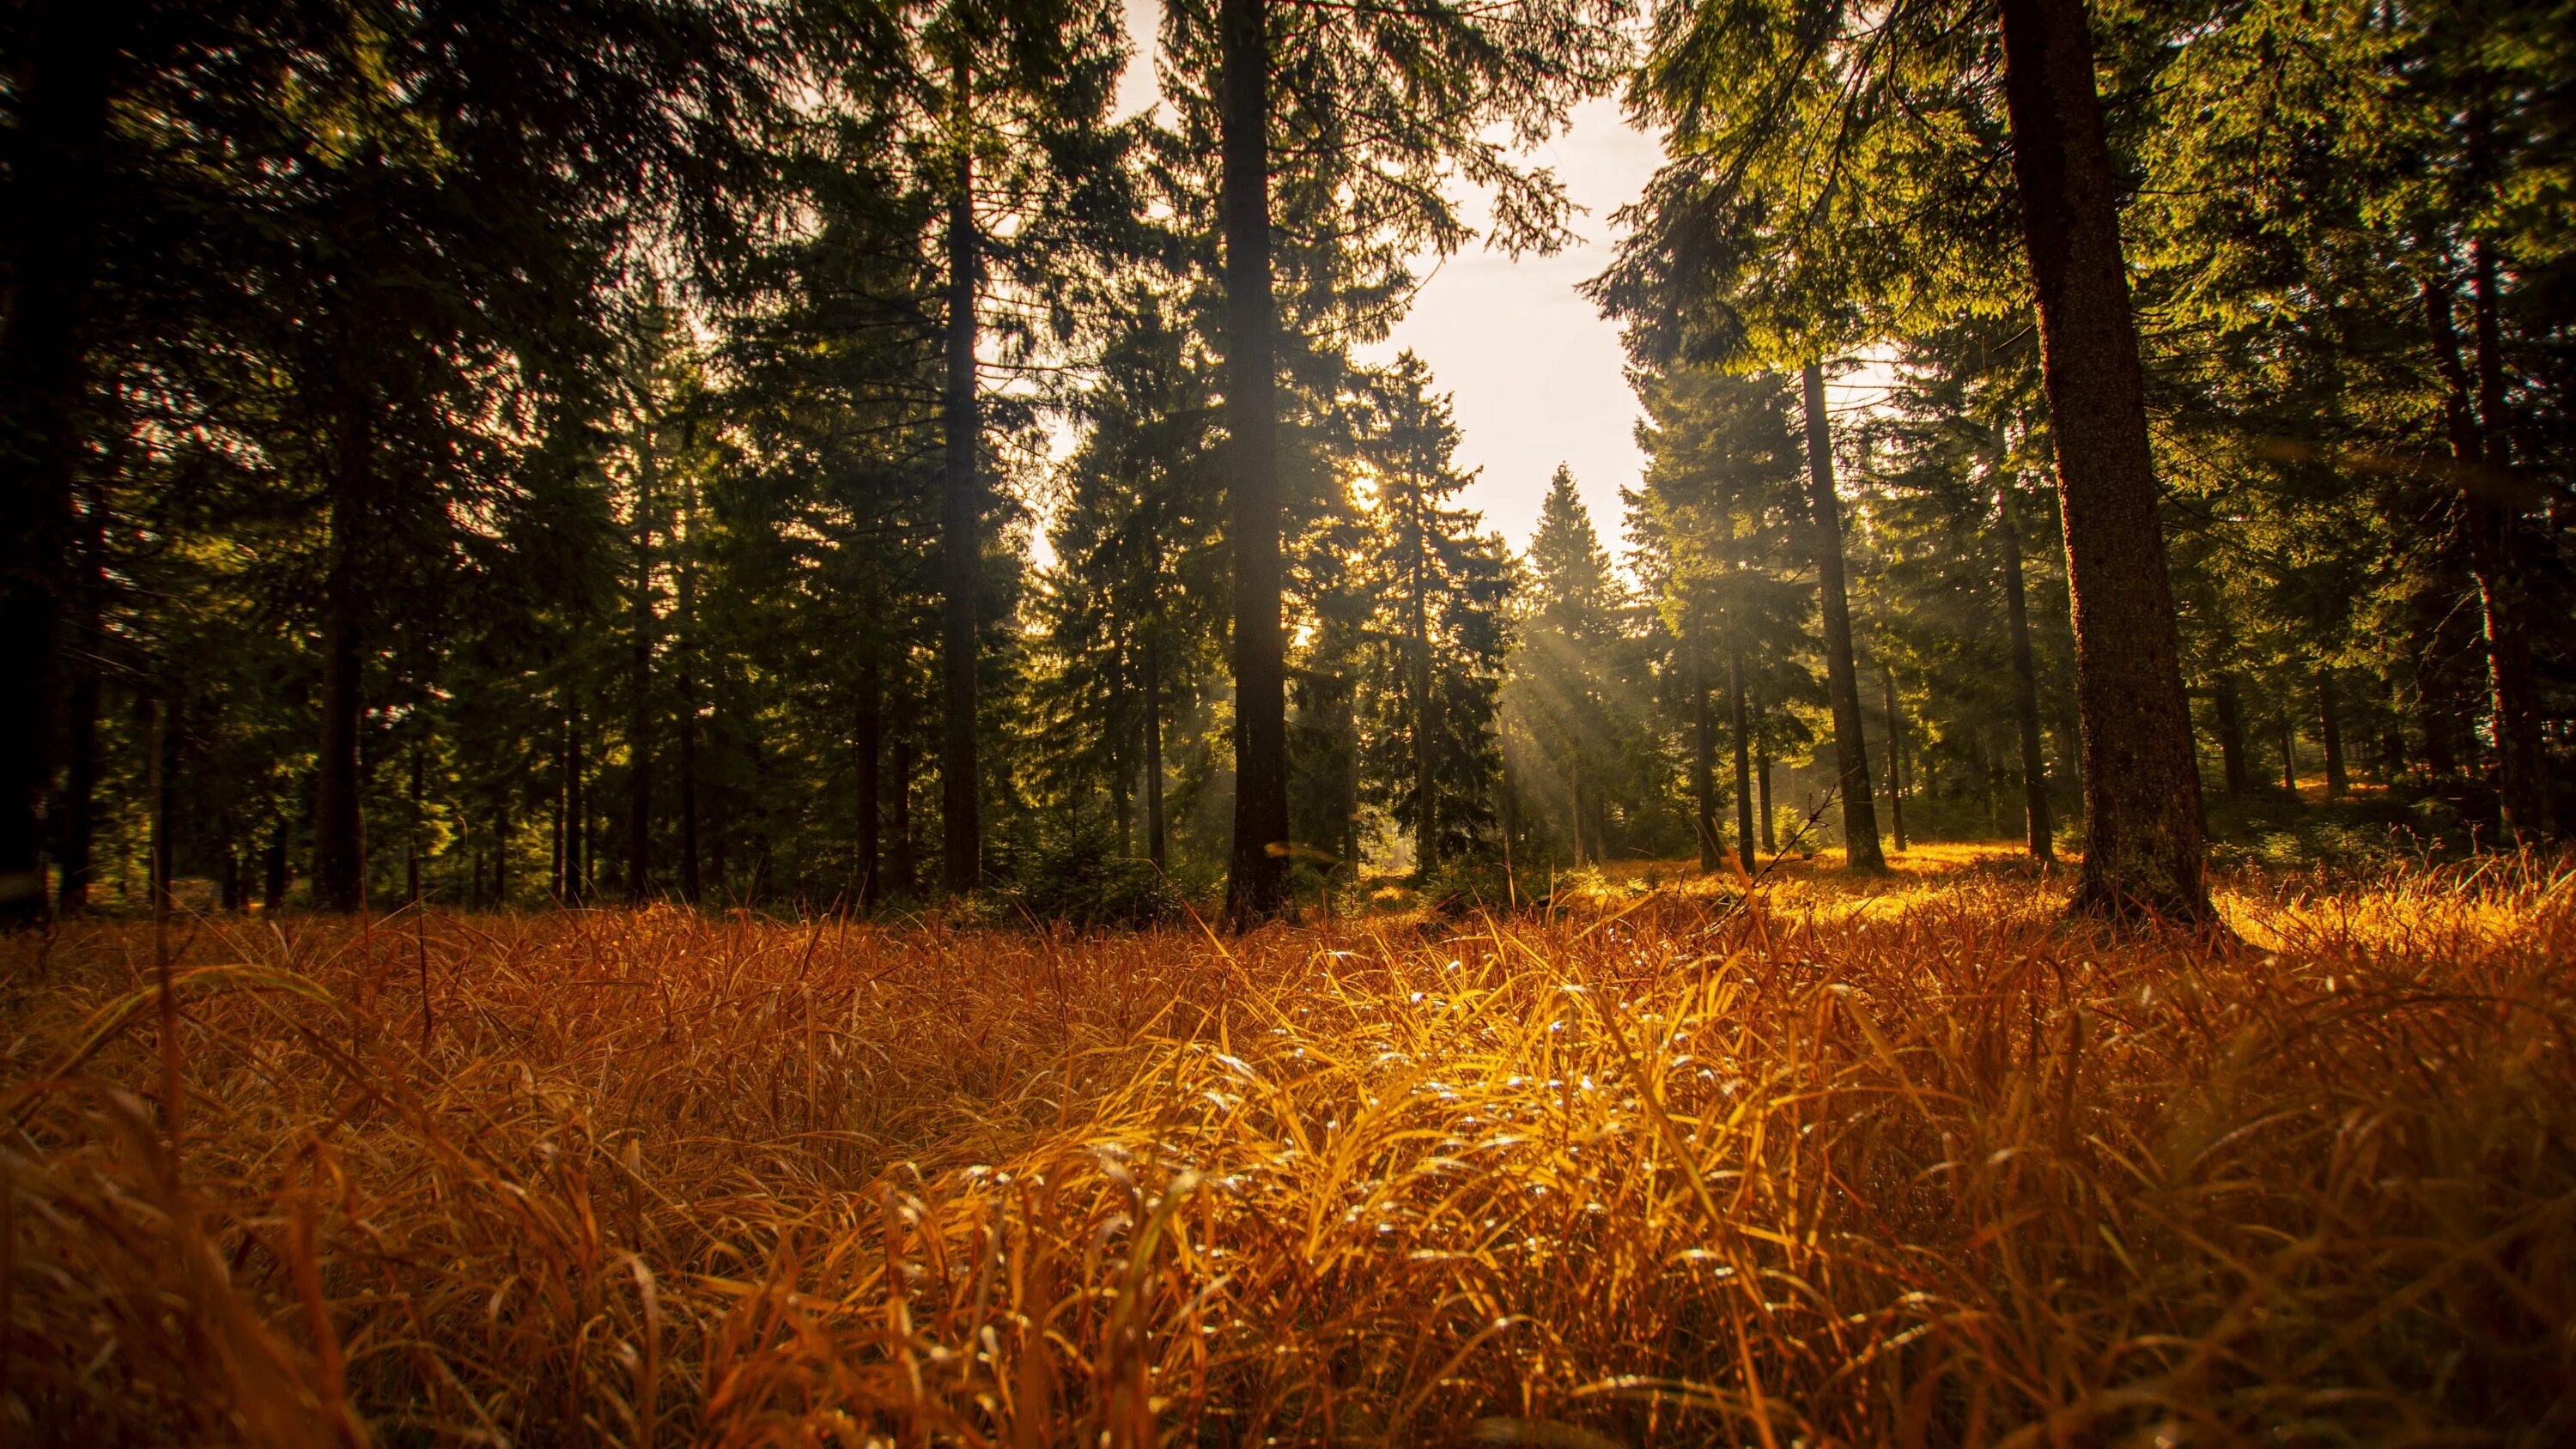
(646, 629)
(961, 541)
(2441, 695)
(2040, 828)
(1895, 757)
(2330, 735)
(576, 814)
(1703, 751)
(75, 820)
(1743, 762)
(2289, 755)
(869, 741)
(53, 208)
(1574, 819)
(1156, 841)
(501, 858)
(1256, 876)
(2231, 735)
(411, 839)
(339, 852)
(1851, 751)
(2143, 851)
(903, 871)
(272, 883)
(1762, 783)
(2496, 553)
(1426, 826)
(686, 628)
(556, 876)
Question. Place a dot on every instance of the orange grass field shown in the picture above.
(1905, 1165)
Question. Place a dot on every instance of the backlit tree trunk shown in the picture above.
(869, 743)
(1155, 837)
(961, 547)
(2330, 735)
(1895, 758)
(639, 686)
(1743, 760)
(2143, 851)
(2039, 827)
(1851, 751)
(1257, 865)
(1703, 750)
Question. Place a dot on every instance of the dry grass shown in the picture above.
(1927, 1172)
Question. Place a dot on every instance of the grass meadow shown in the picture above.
(1905, 1162)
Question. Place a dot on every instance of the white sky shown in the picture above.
(1535, 374)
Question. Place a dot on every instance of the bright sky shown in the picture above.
(1536, 375)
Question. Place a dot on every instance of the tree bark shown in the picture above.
(272, 886)
(639, 685)
(1155, 837)
(1574, 818)
(501, 858)
(2496, 554)
(2039, 827)
(576, 884)
(1703, 752)
(339, 863)
(1762, 783)
(869, 741)
(75, 822)
(1426, 826)
(1257, 868)
(1743, 763)
(2330, 735)
(691, 881)
(54, 208)
(563, 779)
(903, 871)
(2231, 735)
(2143, 853)
(1851, 750)
(961, 544)
(1895, 757)
(411, 839)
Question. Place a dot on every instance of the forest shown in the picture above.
(780, 721)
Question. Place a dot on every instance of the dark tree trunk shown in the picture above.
(2496, 553)
(1156, 840)
(2446, 633)
(1851, 751)
(961, 543)
(869, 741)
(2039, 827)
(52, 212)
(2289, 756)
(76, 815)
(691, 882)
(339, 851)
(555, 884)
(1703, 753)
(2231, 735)
(501, 858)
(1574, 818)
(1743, 764)
(576, 815)
(162, 786)
(1256, 876)
(645, 630)
(2143, 852)
(2330, 735)
(1895, 758)
(903, 871)
(272, 884)
(411, 840)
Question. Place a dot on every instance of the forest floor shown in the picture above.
(1907, 1161)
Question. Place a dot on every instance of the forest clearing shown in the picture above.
(1115, 723)
(1664, 1165)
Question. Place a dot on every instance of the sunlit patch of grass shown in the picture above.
(1689, 1167)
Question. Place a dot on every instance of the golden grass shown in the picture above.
(1931, 1172)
